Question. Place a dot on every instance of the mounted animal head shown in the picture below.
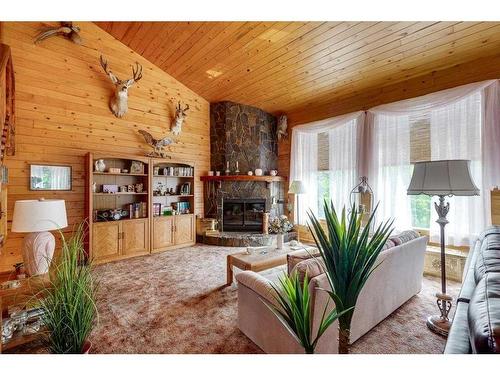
(119, 102)
(180, 115)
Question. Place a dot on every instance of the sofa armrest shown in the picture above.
(295, 257)
(257, 283)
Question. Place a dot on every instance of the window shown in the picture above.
(420, 150)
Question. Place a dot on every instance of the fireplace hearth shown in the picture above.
(243, 215)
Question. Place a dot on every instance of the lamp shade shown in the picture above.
(39, 215)
(442, 177)
(297, 187)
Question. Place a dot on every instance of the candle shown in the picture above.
(236, 165)
(227, 165)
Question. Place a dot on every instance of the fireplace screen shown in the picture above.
(243, 214)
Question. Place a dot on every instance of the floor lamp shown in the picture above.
(297, 188)
(442, 178)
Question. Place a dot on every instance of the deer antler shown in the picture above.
(137, 72)
(111, 76)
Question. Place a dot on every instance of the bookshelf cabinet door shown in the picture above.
(184, 229)
(163, 232)
(135, 237)
(106, 240)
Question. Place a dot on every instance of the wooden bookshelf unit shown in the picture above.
(136, 210)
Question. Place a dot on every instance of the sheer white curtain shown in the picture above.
(304, 157)
(464, 124)
(456, 134)
(343, 161)
(389, 168)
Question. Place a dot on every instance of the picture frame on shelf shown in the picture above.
(136, 167)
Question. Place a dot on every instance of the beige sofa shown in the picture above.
(394, 281)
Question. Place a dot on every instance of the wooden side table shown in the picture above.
(28, 289)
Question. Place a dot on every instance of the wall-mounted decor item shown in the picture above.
(157, 144)
(99, 165)
(136, 167)
(180, 115)
(66, 29)
(50, 177)
(119, 102)
(282, 127)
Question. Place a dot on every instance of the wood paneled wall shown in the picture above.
(460, 74)
(62, 113)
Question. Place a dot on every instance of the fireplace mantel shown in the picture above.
(243, 178)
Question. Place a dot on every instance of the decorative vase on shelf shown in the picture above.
(279, 241)
(99, 165)
(258, 172)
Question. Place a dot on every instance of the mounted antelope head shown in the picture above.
(119, 102)
(180, 115)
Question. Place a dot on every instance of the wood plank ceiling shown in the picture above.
(293, 66)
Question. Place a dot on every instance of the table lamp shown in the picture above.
(297, 187)
(38, 217)
(442, 178)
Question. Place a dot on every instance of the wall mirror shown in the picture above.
(50, 177)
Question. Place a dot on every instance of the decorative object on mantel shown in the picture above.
(280, 225)
(442, 178)
(119, 102)
(258, 172)
(66, 29)
(217, 173)
(273, 172)
(99, 165)
(297, 188)
(282, 127)
(157, 144)
(228, 171)
(250, 173)
(180, 115)
(38, 217)
(210, 173)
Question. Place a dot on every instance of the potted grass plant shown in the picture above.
(350, 255)
(293, 310)
(69, 301)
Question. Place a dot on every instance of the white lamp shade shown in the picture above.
(39, 215)
(297, 187)
(442, 177)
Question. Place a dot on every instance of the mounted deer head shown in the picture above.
(180, 115)
(119, 102)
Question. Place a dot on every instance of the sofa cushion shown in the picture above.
(488, 257)
(312, 267)
(404, 236)
(484, 315)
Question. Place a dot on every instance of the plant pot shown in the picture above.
(279, 241)
(87, 345)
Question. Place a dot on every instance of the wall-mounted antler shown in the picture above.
(119, 102)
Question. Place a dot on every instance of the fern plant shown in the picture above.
(349, 254)
(69, 301)
(294, 311)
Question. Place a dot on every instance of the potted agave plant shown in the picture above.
(350, 255)
(69, 301)
(293, 310)
(280, 225)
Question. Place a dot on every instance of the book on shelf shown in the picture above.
(138, 210)
(177, 171)
(181, 207)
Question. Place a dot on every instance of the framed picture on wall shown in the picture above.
(50, 177)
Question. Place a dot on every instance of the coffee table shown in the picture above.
(258, 262)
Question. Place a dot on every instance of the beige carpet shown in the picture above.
(175, 302)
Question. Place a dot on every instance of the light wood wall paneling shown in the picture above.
(63, 112)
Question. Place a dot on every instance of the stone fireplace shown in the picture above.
(247, 135)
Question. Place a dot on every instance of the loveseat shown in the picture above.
(476, 323)
(397, 278)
